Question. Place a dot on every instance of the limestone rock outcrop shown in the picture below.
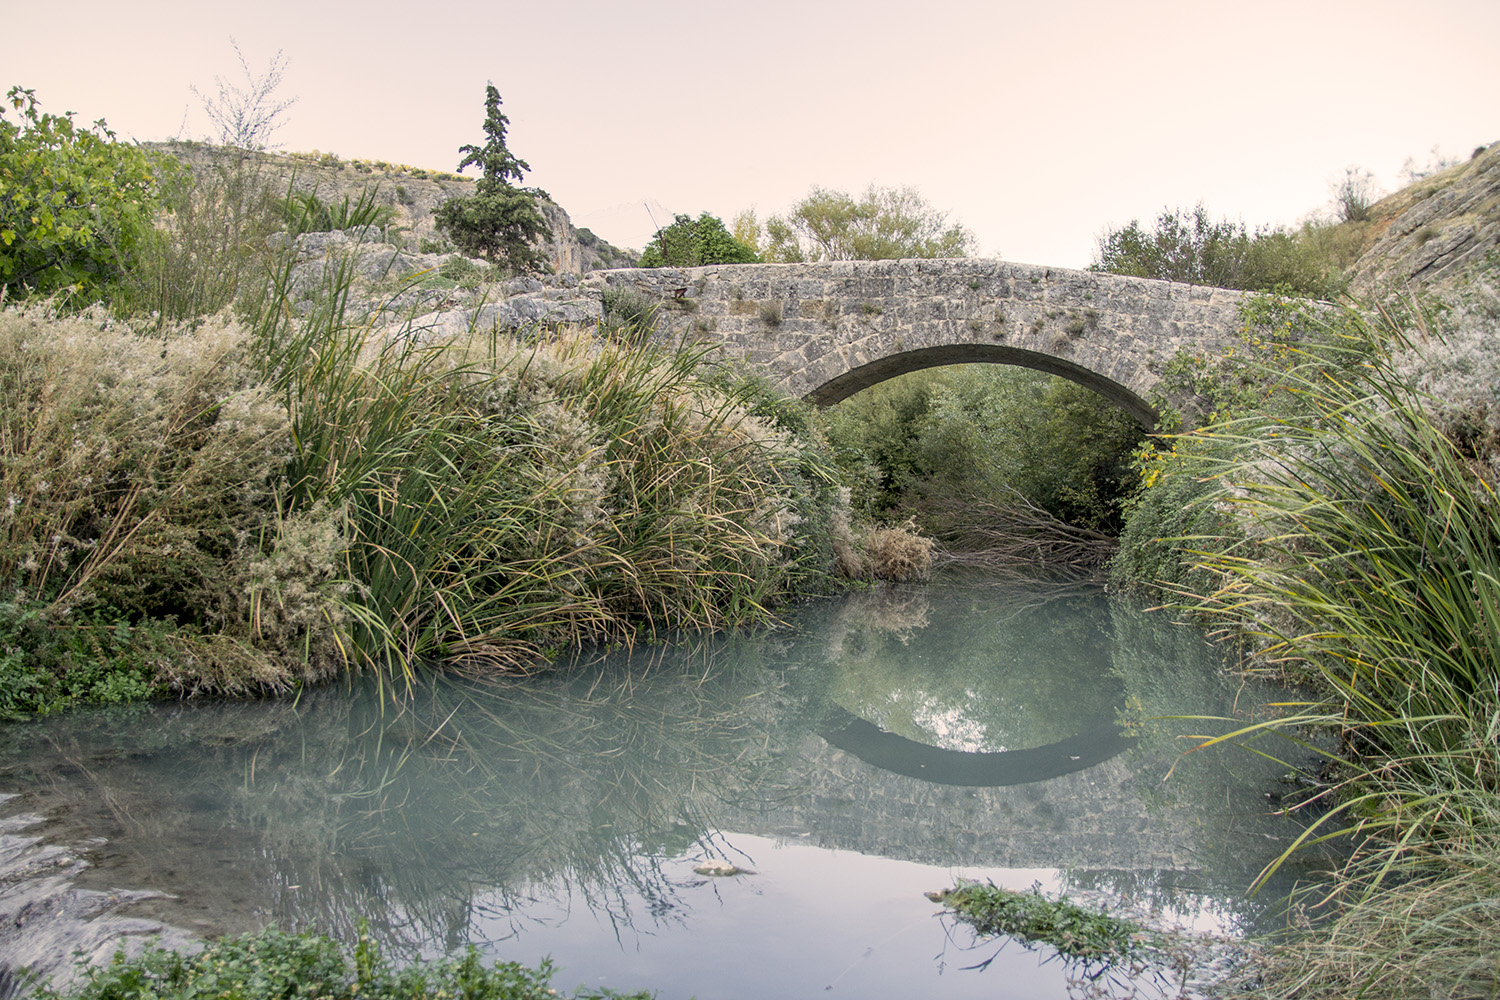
(412, 193)
(1434, 230)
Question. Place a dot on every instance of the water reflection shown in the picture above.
(930, 727)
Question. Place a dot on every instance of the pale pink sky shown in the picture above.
(1036, 124)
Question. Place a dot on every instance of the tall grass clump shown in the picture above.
(217, 504)
(1371, 565)
(509, 494)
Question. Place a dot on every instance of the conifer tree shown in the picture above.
(499, 221)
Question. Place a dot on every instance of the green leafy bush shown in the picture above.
(690, 242)
(1171, 520)
(272, 965)
(883, 223)
(915, 443)
(74, 202)
(1189, 246)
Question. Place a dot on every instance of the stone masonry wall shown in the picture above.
(828, 330)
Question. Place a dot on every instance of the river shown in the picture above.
(872, 748)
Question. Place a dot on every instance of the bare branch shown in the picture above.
(245, 117)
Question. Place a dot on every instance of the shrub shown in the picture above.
(1188, 246)
(1354, 194)
(979, 431)
(690, 242)
(207, 245)
(899, 553)
(883, 223)
(142, 478)
(271, 965)
(74, 205)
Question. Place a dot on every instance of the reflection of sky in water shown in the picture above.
(950, 727)
(747, 938)
(974, 669)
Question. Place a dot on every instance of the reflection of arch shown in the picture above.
(890, 752)
(845, 385)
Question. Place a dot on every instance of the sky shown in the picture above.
(1037, 125)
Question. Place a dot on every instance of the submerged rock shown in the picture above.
(48, 924)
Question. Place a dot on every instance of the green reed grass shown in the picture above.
(317, 486)
(509, 494)
(1372, 564)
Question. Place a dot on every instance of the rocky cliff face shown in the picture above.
(414, 195)
(1431, 232)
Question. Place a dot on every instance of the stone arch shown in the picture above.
(864, 376)
(824, 331)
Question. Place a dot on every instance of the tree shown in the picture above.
(499, 221)
(882, 224)
(246, 118)
(1184, 245)
(690, 242)
(74, 202)
(1189, 246)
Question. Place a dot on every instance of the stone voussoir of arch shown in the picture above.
(824, 331)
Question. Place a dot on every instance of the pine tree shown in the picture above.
(499, 221)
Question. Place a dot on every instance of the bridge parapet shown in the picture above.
(829, 329)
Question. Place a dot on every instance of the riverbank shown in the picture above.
(1345, 524)
(242, 506)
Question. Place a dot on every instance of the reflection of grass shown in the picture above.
(468, 794)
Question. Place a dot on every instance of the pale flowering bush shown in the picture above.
(140, 477)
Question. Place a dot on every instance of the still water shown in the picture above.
(871, 749)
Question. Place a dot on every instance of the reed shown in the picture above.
(510, 494)
(279, 495)
(1372, 565)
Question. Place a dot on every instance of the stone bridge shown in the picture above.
(827, 330)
